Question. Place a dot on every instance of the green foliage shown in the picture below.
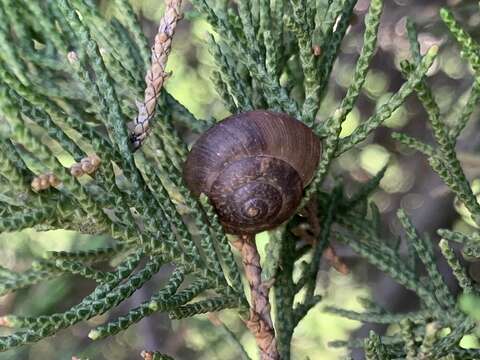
(436, 330)
(69, 78)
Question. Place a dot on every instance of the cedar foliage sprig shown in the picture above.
(420, 332)
(140, 200)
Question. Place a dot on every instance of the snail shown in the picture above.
(253, 167)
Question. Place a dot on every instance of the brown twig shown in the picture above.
(260, 321)
(147, 355)
(311, 233)
(6, 322)
(157, 74)
(152, 355)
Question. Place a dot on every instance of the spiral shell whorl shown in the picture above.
(253, 167)
(255, 194)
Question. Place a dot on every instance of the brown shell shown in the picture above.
(261, 147)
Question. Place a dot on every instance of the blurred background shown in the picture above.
(408, 183)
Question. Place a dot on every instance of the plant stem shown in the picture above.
(260, 322)
(156, 74)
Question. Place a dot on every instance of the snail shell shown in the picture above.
(253, 167)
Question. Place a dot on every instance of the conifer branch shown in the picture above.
(156, 74)
(259, 322)
(68, 80)
(386, 110)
